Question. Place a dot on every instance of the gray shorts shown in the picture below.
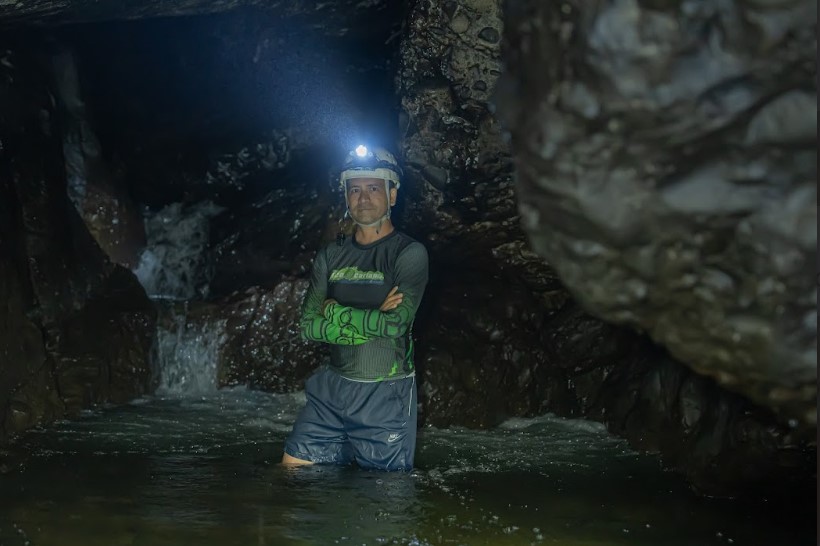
(346, 421)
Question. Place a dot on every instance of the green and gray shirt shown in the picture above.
(367, 344)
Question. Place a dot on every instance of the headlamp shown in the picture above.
(363, 162)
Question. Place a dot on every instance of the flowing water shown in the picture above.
(202, 470)
(196, 466)
(174, 264)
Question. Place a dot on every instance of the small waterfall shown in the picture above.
(187, 354)
(173, 266)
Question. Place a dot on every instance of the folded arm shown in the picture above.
(314, 326)
(411, 278)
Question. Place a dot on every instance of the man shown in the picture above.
(363, 296)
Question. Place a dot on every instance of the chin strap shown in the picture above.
(340, 235)
(377, 224)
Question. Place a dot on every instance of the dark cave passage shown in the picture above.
(619, 208)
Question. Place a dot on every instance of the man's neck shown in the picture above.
(369, 235)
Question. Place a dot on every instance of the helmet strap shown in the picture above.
(378, 222)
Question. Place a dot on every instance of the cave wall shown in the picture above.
(501, 332)
(667, 170)
(504, 332)
(75, 329)
(97, 191)
(459, 168)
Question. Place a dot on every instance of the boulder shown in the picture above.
(667, 171)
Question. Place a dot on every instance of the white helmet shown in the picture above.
(363, 162)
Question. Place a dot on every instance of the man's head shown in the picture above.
(370, 181)
(369, 199)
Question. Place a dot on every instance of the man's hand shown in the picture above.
(392, 300)
(326, 303)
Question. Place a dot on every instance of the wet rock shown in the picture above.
(254, 244)
(485, 359)
(481, 358)
(175, 265)
(653, 159)
(590, 205)
(489, 34)
(452, 143)
(233, 170)
(460, 203)
(77, 329)
(267, 348)
(263, 347)
(103, 349)
(460, 24)
(723, 444)
(99, 196)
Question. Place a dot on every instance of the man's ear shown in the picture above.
(393, 194)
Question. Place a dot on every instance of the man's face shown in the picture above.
(367, 199)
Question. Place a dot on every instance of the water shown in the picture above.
(197, 465)
(187, 354)
(173, 265)
(201, 470)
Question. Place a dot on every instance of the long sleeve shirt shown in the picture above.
(368, 344)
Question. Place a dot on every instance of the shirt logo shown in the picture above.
(393, 437)
(352, 275)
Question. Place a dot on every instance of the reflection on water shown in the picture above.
(202, 471)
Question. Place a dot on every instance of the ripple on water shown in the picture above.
(165, 471)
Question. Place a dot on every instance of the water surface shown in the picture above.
(179, 471)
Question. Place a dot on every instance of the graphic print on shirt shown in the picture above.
(366, 343)
(353, 275)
